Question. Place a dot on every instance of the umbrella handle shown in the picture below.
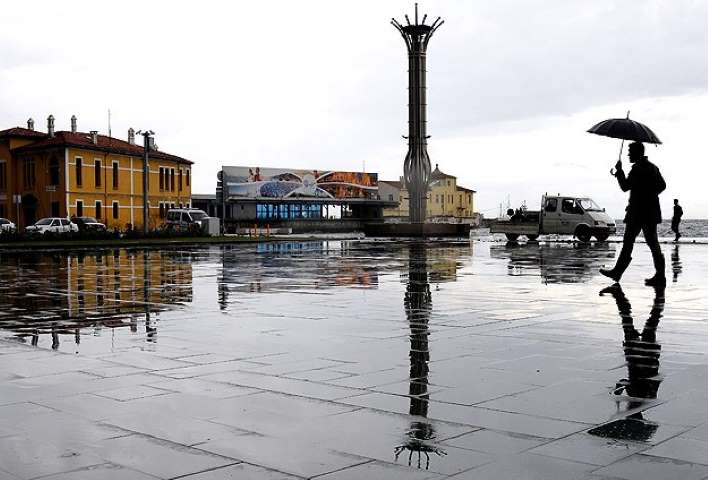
(613, 172)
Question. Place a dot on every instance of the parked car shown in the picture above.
(185, 218)
(7, 226)
(52, 225)
(88, 224)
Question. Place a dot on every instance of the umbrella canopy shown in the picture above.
(625, 129)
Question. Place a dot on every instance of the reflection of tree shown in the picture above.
(641, 351)
(418, 305)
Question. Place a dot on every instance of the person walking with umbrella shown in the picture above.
(644, 183)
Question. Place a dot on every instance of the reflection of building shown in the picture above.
(447, 201)
(67, 173)
(555, 262)
(280, 196)
(92, 291)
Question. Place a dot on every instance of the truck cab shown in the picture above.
(578, 216)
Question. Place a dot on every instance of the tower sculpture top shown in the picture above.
(416, 166)
(416, 35)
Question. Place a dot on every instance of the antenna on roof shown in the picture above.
(109, 125)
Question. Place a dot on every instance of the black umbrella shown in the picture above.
(625, 129)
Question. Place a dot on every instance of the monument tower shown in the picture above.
(416, 168)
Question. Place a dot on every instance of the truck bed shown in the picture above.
(528, 224)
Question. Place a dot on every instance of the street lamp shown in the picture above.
(146, 171)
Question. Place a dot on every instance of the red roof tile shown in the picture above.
(104, 144)
(21, 132)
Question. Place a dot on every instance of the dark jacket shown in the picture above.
(644, 183)
(678, 213)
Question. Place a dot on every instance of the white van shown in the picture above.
(185, 218)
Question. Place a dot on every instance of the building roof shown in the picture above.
(104, 144)
(463, 189)
(21, 133)
(394, 183)
(438, 175)
(204, 196)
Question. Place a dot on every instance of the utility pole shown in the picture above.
(146, 172)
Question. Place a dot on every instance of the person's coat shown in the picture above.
(644, 183)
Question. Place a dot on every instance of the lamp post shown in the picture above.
(146, 172)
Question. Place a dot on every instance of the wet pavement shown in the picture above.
(347, 360)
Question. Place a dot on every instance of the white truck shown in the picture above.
(559, 215)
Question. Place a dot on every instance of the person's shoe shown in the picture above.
(611, 273)
(656, 281)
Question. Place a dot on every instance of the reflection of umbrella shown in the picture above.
(625, 129)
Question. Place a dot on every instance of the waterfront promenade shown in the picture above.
(347, 360)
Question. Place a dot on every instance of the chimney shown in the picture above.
(94, 137)
(131, 136)
(73, 124)
(30, 124)
(50, 126)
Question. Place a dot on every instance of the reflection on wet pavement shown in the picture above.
(338, 360)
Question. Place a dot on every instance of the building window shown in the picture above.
(3, 175)
(79, 208)
(172, 179)
(180, 179)
(55, 209)
(79, 169)
(162, 210)
(390, 197)
(115, 210)
(162, 178)
(2, 210)
(29, 173)
(53, 172)
(115, 175)
(97, 173)
(187, 177)
(99, 207)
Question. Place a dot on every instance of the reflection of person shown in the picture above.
(675, 263)
(641, 350)
(644, 183)
(676, 219)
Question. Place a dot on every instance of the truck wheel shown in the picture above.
(583, 233)
(512, 236)
(532, 238)
(601, 237)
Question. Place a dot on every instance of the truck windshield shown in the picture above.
(588, 205)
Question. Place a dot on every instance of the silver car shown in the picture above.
(53, 225)
(7, 226)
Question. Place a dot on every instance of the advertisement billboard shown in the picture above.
(256, 182)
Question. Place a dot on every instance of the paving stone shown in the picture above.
(646, 467)
(105, 471)
(241, 471)
(156, 457)
(527, 467)
(497, 443)
(686, 449)
(585, 448)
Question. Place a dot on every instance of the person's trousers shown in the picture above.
(631, 231)
(675, 226)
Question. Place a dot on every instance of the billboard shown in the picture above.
(256, 182)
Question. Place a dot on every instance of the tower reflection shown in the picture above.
(418, 305)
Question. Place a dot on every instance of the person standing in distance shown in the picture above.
(644, 183)
(676, 219)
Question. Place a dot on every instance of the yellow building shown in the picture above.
(447, 201)
(72, 173)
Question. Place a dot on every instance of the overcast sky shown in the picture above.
(513, 85)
